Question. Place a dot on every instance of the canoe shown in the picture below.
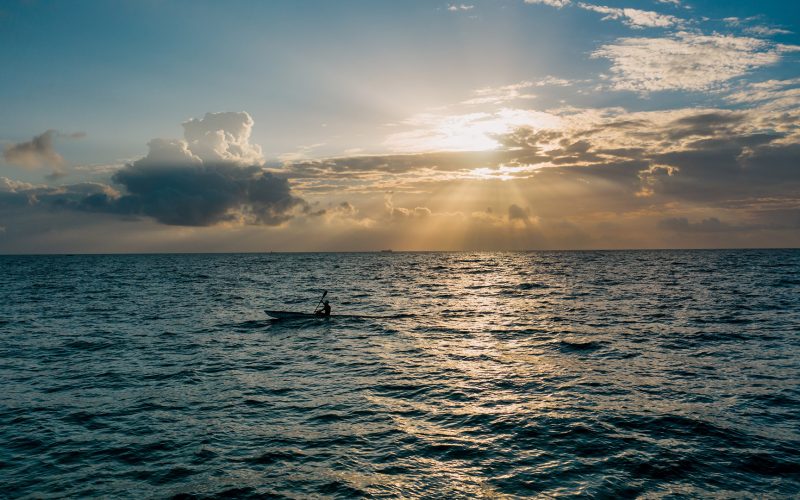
(299, 315)
(293, 315)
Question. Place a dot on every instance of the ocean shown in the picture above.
(453, 375)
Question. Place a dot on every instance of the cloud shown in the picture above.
(634, 18)
(553, 3)
(211, 176)
(462, 7)
(463, 132)
(56, 174)
(37, 152)
(682, 224)
(603, 177)
(222, 137)
(598, 162)
(15, 194)
(758, 30)
(686, 61)
(11, 186)
(515, 212)
(201, 195)
(766, 31)
(498, 95)
(404, 213)
(512, 92)
(205, 179)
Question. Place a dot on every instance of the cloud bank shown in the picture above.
(213, 175)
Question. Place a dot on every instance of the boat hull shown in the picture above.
(292, 315)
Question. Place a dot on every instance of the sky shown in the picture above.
(294, 125)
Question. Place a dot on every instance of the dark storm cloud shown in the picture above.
(182, 195)
(201, 195)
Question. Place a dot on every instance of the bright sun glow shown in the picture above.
(465, 132)
(503, 172)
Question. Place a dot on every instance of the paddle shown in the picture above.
(320, 301)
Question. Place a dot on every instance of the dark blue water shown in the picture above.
(663, 373)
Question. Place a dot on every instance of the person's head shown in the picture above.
(325, 302)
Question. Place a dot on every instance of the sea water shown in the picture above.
(456, 375)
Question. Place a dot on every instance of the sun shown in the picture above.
(477, 131)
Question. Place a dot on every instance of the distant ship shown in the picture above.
(388, 250)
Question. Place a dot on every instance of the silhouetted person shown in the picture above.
(326, 309)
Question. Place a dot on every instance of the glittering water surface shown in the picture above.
(460, 375)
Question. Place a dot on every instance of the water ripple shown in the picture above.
(453, 375)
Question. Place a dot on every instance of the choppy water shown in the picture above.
(549, 373)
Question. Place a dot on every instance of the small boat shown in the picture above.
(293, 315)
(298, 315)
(388, 250)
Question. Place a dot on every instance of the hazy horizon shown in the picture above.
(518, 125)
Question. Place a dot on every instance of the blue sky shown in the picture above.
(323, 80)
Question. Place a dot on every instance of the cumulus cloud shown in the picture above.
(217, 138)
(37, 152)
(686, 61)
(634, 18)
(211, 176)
(222, 137)
(202, 195)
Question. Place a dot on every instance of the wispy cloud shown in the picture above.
(634, 18)
(553, 3)
(459, 7)
(686, 61)
(766, 31)
(515, 91)
(498, 95)
(748, 26)
(37, 152)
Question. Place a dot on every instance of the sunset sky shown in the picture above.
(150, 126)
